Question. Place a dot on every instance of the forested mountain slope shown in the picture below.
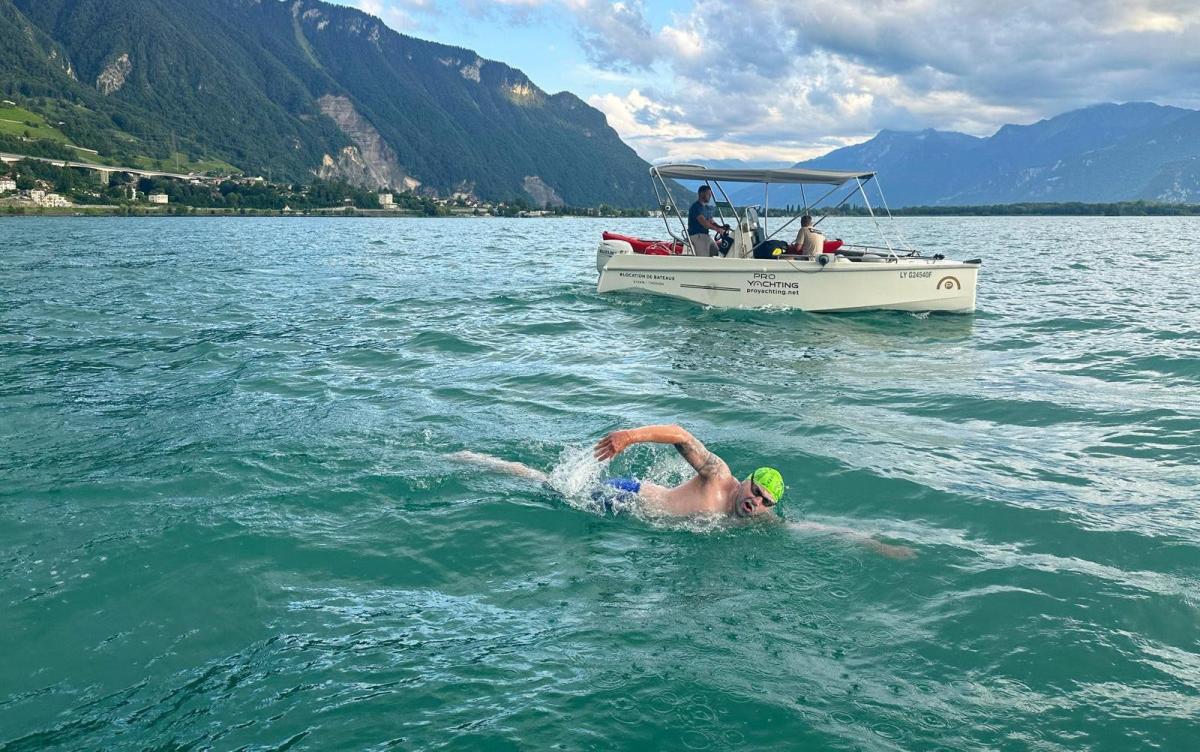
(303, 88)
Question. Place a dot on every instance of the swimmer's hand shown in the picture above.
(613, 444)
(892, 552)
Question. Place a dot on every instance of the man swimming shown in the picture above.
(713, 490)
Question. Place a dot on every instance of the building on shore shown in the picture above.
(158, 198)
(41, 198)
(7, 184)
(386, 201)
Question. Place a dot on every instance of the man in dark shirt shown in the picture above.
(700, 222)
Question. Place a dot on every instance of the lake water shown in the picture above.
(228, 520)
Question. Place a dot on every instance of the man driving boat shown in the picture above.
(700, 221)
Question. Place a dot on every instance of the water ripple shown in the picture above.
(229, 519)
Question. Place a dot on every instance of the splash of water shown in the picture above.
(577, 475)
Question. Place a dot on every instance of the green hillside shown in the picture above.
(297, 89)
(15, 121)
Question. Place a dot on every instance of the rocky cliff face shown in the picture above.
(1177, 182)
(370, 163)
(542, 194)
(112, 78)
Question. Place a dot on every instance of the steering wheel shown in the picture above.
(724, 241)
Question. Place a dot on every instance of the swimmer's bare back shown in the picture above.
(657, 498)
(713, 490)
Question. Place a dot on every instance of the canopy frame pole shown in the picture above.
(896, 225)
(766, 206)
(793, 219)
(882, 234)
(845, 198)
(732, 208)
(671, 202)
(804, 199)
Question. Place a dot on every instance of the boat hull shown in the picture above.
(907, 284)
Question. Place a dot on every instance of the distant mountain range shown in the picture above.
(1104, 153)
(302, 88)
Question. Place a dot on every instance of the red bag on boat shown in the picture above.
(832, 246)
(639, 245)
(648, 247)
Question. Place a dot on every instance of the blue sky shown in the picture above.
(785, 80)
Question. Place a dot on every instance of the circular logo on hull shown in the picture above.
(949, 283)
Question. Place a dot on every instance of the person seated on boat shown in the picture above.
(700, 221)
(809, 241)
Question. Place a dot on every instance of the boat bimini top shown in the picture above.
(748, 216)
(789, 175)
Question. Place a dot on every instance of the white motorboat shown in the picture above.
(847, 277)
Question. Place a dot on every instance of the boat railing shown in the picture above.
(671, 206)
(906, 252)
(894, 251)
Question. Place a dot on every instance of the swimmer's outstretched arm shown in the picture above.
(706, 464)
(879, 547)
(495, 463)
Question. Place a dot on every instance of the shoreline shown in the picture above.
(174, 212)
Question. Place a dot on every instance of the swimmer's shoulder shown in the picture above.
(652, 491)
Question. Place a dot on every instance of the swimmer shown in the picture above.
(713, 490)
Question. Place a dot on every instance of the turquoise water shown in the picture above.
(227, 519)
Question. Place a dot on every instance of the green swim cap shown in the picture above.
(769, 479)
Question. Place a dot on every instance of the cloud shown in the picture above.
(791, 78)
(401, 15)
(614, 35)
(798, 75)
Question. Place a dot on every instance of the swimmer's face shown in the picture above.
(752, 500)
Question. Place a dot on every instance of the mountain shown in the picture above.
(303, 88)
(1103, 153)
